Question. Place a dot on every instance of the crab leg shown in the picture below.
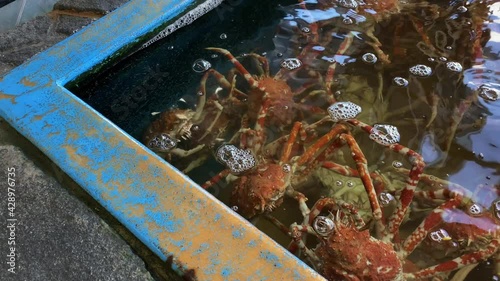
(459, 262)
(287, 151)
(362, 167)
(406, 195)
(215, 179)
(321, 143)
(331, 69)
(253, 83)
(432, 220)
(334, 205)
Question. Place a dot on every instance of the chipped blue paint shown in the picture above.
(168, 212)
(271, 257)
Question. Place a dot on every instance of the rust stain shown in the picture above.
(91, 132)
(76, 158)
(4, 96)
(53, 134)
(26, 82)
(72, 136)
(137, 211)
(40, 116)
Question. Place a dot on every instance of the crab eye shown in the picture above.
(324, 226)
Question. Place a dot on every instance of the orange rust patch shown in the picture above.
(27, 82)
(75, 157)
(4, 96)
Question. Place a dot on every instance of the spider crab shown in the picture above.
(180, 133)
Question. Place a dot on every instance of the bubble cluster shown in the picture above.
(421, 70)
(162, 143)
(439, 236)
(350, 4)
(184, 20)
(291, 63)
(347, 21)
(397, 164)
(385, 134)
(475, 210)
(496, 208)
(323, 225)
(454, 66)
(385, 198)
(400, 82)
(461, 9)
(343, 110)
(488, 93)
(201, 65)
(287, 168)
(369, 58)
(237, 160)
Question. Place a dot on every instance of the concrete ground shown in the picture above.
(55, 230)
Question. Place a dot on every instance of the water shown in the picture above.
(429, 80)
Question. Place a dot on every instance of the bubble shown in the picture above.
(236, 160)
(235, 208)
(287, 168)
(449, 48)
(350, 184)
(488, 93)
(454, 66)
(170, 47)
(318, 48)
(279, 55)
(347, 21)
(439, 235)
(443, 59)
(496, 208)
(201, 65)
(369, 58)
(431, 59)
(200, 93)
(385, 198)
(400, 81)
(195, 128)
(214, 56)
(385, 134)
(343, 111)
(339, 183)
(323, 225)
(350, 4)
(397, 164)
(461, 9)
(162, 143)
(475, 210)
(291, 63)
(305, 29)
(421, 70)
(223, 36)
(480, 155)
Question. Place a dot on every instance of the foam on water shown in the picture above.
(235, 159)
(343, 111)
(385, 134)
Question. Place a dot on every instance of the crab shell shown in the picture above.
(347, 251)
(260, 190)
(280, 112)
(175, 123)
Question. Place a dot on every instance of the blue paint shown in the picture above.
(226, 271)
(238, 233)
(217, 217)
(270, 257)
(252, 244)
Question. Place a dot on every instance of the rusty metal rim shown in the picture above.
(166, 210)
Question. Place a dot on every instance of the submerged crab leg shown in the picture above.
(405, 195)
(362, 167)
(331, 69)
(215, 179)
(307, 156)
(432, 220)
(459, 262)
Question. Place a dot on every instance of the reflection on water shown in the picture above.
(281, 136)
